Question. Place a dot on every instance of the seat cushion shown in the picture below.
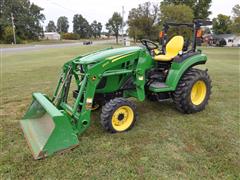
(163, 57)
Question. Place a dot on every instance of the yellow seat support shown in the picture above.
(173, 47)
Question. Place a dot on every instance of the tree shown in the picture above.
(114, 24)
(81, 26)
(8, 34)
(51, 27)
(142, 21)
(236, 19)
(99, 27)
(200, 7)
(179, 14)
(236, 11)
(27, 18)
(176, 13)
(62, 24)
(235, 28)
(109, 30)
(96, 28)
(222, 24)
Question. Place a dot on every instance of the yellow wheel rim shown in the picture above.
(122, 118)
(198, 92)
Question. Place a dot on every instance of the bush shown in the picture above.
(70, 36)
(8, 35)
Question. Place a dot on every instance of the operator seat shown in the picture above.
(173, 47)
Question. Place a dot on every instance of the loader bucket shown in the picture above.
(46, 128)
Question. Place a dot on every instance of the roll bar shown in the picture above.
(195, 26)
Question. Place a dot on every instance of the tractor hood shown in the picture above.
(101, 55)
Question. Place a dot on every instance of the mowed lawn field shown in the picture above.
(164, 144)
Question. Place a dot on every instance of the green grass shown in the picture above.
(164, 144)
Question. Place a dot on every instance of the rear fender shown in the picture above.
(179, 68)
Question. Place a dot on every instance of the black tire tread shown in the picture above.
(109, 108)
(181, 94)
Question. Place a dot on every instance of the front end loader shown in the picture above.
(106, 78)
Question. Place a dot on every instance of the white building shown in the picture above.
(232, 40)
(236, 41)
(52, 36)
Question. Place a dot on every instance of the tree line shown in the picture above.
(144, 21)
(81, 27)
(147, 19)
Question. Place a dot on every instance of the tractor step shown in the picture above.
(158, 85)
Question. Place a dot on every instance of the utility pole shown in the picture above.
(13, 27)
(122, 22)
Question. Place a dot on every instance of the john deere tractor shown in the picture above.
(107, 78)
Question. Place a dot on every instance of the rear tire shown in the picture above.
(118, 115)
(193, 91)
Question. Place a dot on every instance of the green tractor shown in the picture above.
(106, 79)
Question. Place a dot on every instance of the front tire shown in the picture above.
(118, 115)
(193, 91)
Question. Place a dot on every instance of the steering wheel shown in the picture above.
(149, 44)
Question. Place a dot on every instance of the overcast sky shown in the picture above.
(102, 10)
